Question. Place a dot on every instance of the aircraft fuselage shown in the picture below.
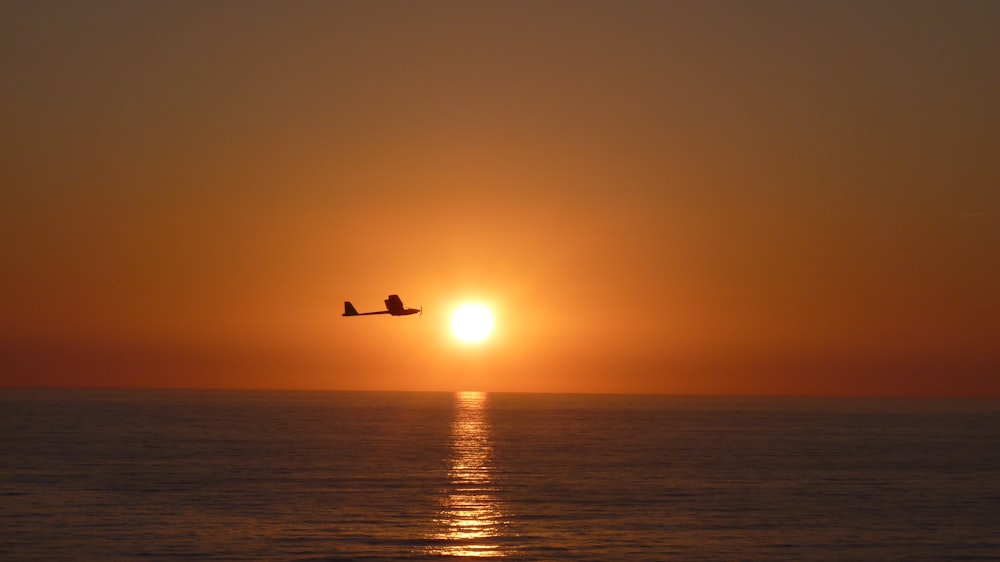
(393, 306)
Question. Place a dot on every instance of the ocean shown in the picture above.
(269, 475)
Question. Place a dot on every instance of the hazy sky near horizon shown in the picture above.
(727, 197)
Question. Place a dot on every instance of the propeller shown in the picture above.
(421, 311)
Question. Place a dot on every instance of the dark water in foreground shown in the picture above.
(98, 475)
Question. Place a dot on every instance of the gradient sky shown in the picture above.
(677, 197)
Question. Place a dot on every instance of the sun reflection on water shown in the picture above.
(470, 521)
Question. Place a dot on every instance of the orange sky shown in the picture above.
(704, 197)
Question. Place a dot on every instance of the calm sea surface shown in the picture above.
(127, 475)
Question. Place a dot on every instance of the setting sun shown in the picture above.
(472, 323)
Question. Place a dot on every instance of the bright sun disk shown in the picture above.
(472, 323)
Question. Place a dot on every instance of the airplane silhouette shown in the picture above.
(393, 305)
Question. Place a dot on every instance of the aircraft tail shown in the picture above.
(349, 309)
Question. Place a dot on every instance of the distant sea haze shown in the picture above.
(256, 475)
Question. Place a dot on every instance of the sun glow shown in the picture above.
(472, 323)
